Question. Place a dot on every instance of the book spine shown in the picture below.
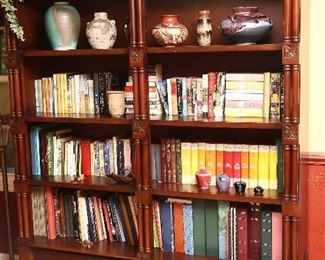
(245, 76)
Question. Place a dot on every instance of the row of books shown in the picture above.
(55, 152)
(174, 161)
(84, 216)
(76, 93)
(218, 229)
(155, 107)
(193, 96)
(217, 94)
(253, 94)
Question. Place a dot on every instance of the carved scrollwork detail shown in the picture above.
(136, 57)
(139, 129)
(291, 131)
(12, 59)
(290, 53)
(144, 256)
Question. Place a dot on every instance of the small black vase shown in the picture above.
(240, 187)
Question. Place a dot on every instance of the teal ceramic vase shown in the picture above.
(62, 24)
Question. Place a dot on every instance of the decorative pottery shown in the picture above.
(169, 32)
(203, 178)
(204, 28)
(223, 182)
(246, 25)
(62, 24)
(101, 32)
(258, 190)
(240, 187)
(116, 103)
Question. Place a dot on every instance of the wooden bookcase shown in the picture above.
(33, 58)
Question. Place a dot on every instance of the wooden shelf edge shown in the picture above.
(103, 248)
(255, 123)
(74, 118)
(159, 255)
(192, 192)
(77, 52)
(215, 48)
(89, 183)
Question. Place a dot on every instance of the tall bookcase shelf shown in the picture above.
(215, 49)
(71, 53)
(33, 59)
(90, 183)
(101, 249)
(192, 191)
(82, 119)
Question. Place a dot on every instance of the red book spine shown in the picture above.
(211, 93)
(237, 163)
(163, 160)
(51, 234)
(242, 234)
(228, 161)
(85, 158)
(107, 221)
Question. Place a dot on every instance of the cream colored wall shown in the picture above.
(312, 54)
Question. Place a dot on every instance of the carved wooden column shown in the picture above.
(19, 132)
(143, 129)
(290, 120)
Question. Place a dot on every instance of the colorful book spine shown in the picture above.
(263, 166)
(276, 235)
(220, 159)
(188, 229)
(253, 166)
(273, 181)
(186, 163)
(211, 161)
(237, 162)
(194, 161)
(228, 162)
(199, 227)
(266, 235)
(244, 163)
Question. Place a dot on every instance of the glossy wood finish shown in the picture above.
(69, 53)
(192, 191)
(81, 119)
(215, 49)
(89, 183)
(159, 255)
(102, 248)
(229, 122)
(278, 52)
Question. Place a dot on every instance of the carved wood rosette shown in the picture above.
(140, 129)
(136, 56)
(290, 133)
(290, 53)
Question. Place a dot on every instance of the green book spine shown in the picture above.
(199, 227)
(266, 235)
(211, 228)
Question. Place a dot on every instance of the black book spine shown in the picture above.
(179, 96)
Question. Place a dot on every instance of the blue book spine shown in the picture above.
(106, 159)
(158, 162)
(222, 215)
(35, 150)
(188, 229)
(167, 226)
